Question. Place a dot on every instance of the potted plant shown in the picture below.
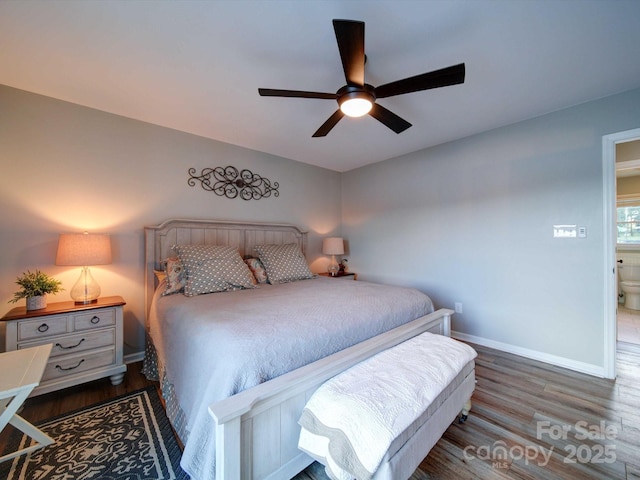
(34, 286)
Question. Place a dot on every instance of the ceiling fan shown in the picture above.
(357, 98)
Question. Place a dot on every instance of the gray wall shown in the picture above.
(66, 168)
(471, 222)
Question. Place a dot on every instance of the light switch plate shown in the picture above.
(564, 231)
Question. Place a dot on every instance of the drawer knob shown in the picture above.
(95, 320)
(43, 328)
(70, 346)
(69, 368)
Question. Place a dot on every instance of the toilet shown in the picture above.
(630, 285)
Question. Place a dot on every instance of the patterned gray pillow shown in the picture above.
(213, 268)
(283, 263)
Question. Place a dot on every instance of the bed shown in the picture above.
(237, 414)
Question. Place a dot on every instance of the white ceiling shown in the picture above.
(195, 66)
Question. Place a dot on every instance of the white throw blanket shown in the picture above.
(350, 422)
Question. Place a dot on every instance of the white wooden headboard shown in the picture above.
(242, 235)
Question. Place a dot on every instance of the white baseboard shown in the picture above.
(595, 370)
(628, 347)
(134, 357)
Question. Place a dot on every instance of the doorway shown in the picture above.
(628, 239)
(610, 234)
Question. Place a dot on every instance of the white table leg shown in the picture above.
(21, 373)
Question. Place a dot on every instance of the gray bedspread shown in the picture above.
(213, 346)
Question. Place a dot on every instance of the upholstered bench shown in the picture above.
(380, 418)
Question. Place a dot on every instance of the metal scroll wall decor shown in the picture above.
(231, 183)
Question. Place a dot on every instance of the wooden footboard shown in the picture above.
(257, 430)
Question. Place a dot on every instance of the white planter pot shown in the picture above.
(36, 303)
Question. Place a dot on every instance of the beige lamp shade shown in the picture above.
(333, 246)
(83, 249)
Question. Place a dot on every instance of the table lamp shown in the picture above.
(84, 250)
(333, 246)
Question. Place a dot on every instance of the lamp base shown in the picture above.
(86, 302)
(333, 268)
(86, 290)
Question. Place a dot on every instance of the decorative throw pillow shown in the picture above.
(283, 263)
(256, 267)
(175, 276)
(213, 268)
(160, 275)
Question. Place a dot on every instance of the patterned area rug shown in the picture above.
(315, 471)
(125, 438)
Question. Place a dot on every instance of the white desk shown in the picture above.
(20, 373)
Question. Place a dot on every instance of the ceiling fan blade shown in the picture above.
(350, 37)
(329, 124)
(271, 92)
(438, 78)
(390, 119)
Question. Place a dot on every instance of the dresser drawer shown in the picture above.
(42, 327)
(63, 366)
(77, 342)
(95, 319)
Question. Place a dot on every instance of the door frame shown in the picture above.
(609, 143)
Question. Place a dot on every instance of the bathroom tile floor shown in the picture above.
(628, 325)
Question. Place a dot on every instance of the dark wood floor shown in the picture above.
(540, 413)
(530, 420)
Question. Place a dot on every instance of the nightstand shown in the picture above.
(349, 275)
(87, 340)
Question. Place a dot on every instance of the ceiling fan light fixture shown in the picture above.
(356, 104)
(357, 98)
